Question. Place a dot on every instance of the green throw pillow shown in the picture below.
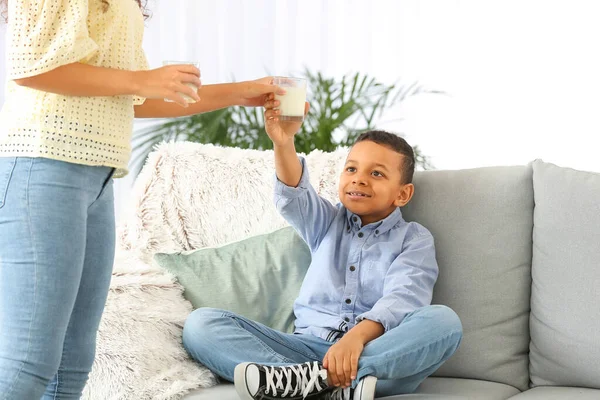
(258, 278)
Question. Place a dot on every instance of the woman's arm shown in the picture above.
(213, 97)
(78, 79)
(82, 80)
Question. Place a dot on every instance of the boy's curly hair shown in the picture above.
(399, 145)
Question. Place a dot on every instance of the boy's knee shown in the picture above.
(446, 317)
(200, 324)
(449, 326)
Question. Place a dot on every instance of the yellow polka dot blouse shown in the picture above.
(43, 35)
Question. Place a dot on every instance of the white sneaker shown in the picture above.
(365, 390)
(306, 381)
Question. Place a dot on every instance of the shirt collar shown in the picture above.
(380, 227)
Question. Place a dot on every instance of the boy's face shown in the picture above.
(370, 185)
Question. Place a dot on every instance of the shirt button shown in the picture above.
(348, 301)
(377, 232)
(360, 234)
(354, 219)
(352, 268)
(347, 319)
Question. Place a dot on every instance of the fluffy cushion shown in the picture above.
(191, 196)
(139, 354)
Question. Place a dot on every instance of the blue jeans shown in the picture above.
(57, 243)
(401, 359)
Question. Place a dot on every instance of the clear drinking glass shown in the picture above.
(291, 104)
(191, 85)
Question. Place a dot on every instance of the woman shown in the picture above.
(77, 77)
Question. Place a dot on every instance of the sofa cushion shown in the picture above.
(558, 393)
(430, 389)
(566, 276)
(258, 278)
(481, 220)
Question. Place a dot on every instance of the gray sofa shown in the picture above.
(519, 255)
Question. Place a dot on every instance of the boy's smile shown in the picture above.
(371, 183)
(357, 195)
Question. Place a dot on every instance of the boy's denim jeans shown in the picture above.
(401, 359)
(57, 236)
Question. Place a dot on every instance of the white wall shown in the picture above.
(523, 75)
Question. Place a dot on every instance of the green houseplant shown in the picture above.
(340, 111)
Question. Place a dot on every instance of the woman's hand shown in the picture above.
(169, 82)
(280, 132)
(256, 93)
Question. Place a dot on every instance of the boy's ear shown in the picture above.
(405, 194)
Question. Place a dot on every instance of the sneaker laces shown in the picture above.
(307, 379)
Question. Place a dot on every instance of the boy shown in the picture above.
(363, 312)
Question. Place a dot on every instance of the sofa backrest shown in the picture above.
(190, 196)
(482, 221)
(565, 299)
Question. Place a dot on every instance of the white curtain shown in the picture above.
(522, 75)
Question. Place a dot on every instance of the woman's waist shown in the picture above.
(107, 118)
(28, 100)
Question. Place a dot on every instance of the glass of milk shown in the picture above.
(191, 85)
(291, 104)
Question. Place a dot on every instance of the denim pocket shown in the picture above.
(7, 166)
(107, 182)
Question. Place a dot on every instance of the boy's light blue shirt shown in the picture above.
(381, 271)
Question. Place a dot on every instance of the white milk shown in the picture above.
(185, 96)
(292, 103)
(188, 98)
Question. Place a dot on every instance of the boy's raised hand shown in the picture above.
(341, 361)
(280, 132)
